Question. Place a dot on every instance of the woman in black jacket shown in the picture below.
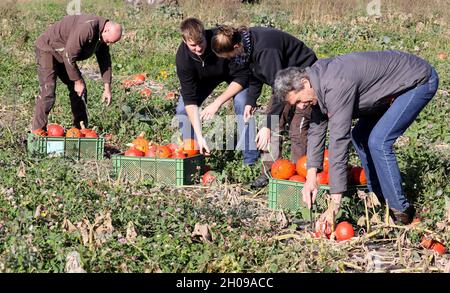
(265, 51)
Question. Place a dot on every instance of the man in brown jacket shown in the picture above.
(72, 39)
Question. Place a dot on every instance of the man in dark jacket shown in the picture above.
(72, 39)
(386, 90)
(200, 71)
(266, 51)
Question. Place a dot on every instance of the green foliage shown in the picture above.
(37, 195)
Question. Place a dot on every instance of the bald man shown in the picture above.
(72, 39)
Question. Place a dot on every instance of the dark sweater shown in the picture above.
(274, 50)
(199, 75)
(351, 86)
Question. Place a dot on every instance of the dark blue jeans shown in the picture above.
(374, 137)
(246, 131)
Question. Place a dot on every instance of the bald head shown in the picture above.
(112, 32)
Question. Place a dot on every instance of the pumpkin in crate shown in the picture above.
(55, 130)
(190, 147)
(298, 178)
(87, 132)
(141, 143)
(301, 166)
(133, 152)
(74, 133)
(282, 169)
(163, 151)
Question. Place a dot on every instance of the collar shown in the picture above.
(248, 48)
(101, 24)
(316, 85)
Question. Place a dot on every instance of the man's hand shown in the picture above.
(107, 95)
(203, 146)
(80, 87)
(209, 112)
(327, 220)
(310, 187)
(263, 138)
(248, 112)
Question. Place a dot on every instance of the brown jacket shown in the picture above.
(76, 38)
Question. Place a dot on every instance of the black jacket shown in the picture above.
(272, 51)
(200, 75)
(352, 86)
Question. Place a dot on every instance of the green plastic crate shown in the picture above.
(166, 171)
(287, 195)
(77, 148)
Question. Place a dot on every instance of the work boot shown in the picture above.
(260, 182)
(403, 218)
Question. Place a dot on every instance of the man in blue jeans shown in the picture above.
(200, 71)
(385, 90)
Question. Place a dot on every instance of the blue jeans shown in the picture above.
(374, 137)
(246, 131)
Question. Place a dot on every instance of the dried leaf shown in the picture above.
(361, 221)
(372, 200)
(73, 263)
(131, 232)
(68, 226)
(447, 267)
(21, 170)
(202, 233)
(376, 219)
(37, 212)
(102, 228)
(84, 228)
(282, 220)
(441, 226)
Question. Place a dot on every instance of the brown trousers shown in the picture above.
(48, 70)
(298, 121)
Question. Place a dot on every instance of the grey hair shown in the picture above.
(287, 80)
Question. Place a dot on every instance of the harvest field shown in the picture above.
(60, 215)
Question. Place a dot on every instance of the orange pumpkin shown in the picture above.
(358, 176)
(139, 78)
(178, 155)
(145, 92)
(140, 142)
(298, 178)
(55, 130)
(74, 132)
(301, 166)
(322, 178)
(151, 151)
(91, 134)
(190, 147)
(282, 169)
(344, 231)
(163, 151)
(326, 162)
(39, 132)
(133, 152)
(170, 96)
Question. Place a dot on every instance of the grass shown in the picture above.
(39, 196)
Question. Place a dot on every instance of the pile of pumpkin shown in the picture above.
(285, 170)
(56, 130)
(141, 147)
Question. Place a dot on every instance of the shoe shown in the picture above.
(403, 218)
(260, 182)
